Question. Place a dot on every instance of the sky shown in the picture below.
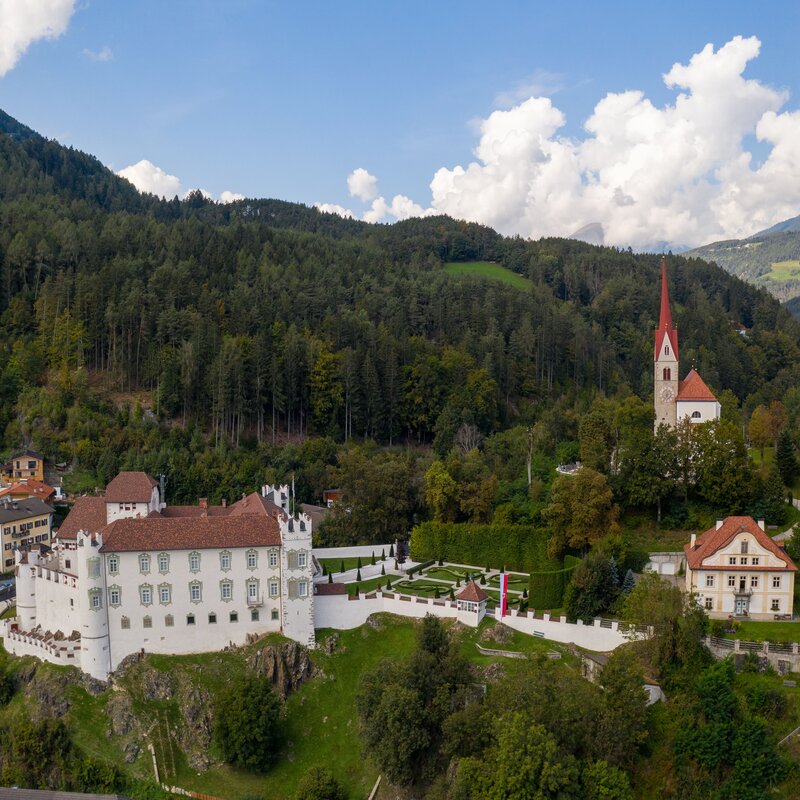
(670, 124)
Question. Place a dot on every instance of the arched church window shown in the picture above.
(695, 415)
(667, 374)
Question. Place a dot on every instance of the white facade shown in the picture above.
(124, 510)
(699, 410)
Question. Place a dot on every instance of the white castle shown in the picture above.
(128, 574)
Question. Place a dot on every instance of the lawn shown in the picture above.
(487, 270)
(423, 588)
(783, 271)
(368, 585)
(451, 574)
(515, 582)
(756, 631)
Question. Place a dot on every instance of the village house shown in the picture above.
(25, 522)
(28, 487)
(24, 464)
(737, 570)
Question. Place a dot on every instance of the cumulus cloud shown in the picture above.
(230, 197)
(333, 208)
(362, 185)
(678, 174)
(147, 177)
(23, 22)
(103, 54)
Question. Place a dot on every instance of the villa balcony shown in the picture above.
(255, 602)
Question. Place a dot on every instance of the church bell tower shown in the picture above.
(665, 360)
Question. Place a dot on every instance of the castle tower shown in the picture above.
(27, 565)
(297, 579)
(665, 360)
(92, 608)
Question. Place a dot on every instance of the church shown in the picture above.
(675, 399)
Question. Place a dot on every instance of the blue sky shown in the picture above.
(274, 99)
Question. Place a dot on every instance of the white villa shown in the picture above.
(737, 569)
(129, 574)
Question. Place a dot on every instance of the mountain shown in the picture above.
(592, 233)
(769, 258)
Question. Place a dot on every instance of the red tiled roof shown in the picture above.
(184, 533)
(193, 512)
(472, 593)
(665, 326)
(692, 387)
(329, 588)
(254, 503)
(130, 487)
(716, 538)
(29, 488)
(87, 514)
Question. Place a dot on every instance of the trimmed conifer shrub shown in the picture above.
(383, 569)
(330, 577)
(358, 574)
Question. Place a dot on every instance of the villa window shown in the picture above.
(147, 622)
(163, 562)
(732, 560)
(212, 618)
(225, 560)
(303, 588)
(275, 613)
(273, 558)
(744, 548)
(252, 559)
(113, 564)
(169, 621)
(234, 616)
(125, 623)
(144, 563)
(301, 560)
(776, 581)
(146, 594)
(114, 596)
(743, 561)
(273, 588)
(754, 561)
(95, 599)
(709, 603)
(190, 619)
(776, 605)
(731, 580)
(195, 591)
(710, 581)
(194, 562)
(754, 582)
(252, 591)
(226, 591)
(164, 594)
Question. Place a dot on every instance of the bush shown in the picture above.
(483, 580)
(358, 574)
(319, 784)
(330, 577)
(247, 725)
(391, 551)
(383, 569)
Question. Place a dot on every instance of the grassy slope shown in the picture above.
(485, 269)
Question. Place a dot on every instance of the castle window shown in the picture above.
(194, 562)
(212, 618)
(144, 563)
(195, 591)
(164, 594)
(190, 619)
(95, 599)
(302, 587)
(114, 596)
(147, 622)
(163, 562)
(169, 621)
(667, 374)
(113, 564)
(273, 588)
(94, 567)
(125, 623)
(225, 560)
(252, 559)
(273, 558)
(254, 615)
(274, 613)
(226, 590)
(234, 616)
(252, 590)
(301, 559)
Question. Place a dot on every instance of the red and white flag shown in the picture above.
(503, 594)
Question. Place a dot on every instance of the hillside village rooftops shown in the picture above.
(693, 387)
(87, 514)
(11, 511)
(190, 533)
(130, 487)
(715, 539)
(472, 593)
(27, 454)
(29, 486)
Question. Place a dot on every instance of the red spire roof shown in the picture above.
(665, 326)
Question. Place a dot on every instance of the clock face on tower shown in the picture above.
(666, 395)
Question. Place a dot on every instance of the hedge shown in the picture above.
(419, 567)
(547, 587)
(517, 547)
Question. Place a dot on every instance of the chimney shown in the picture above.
(693, 541)
(720, 523)
(762, 524)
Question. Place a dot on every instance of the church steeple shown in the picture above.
(665, 360)
(665, 325)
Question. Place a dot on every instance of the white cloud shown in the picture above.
(230, 197)
(23, 22)
(333, 208)
(104, 54)
(362, 185)
(147, 177)
(678, 174)
(541, 82)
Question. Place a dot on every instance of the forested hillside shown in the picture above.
(166, 334)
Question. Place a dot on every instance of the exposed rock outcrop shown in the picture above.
(196, 710)
(287, 666)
